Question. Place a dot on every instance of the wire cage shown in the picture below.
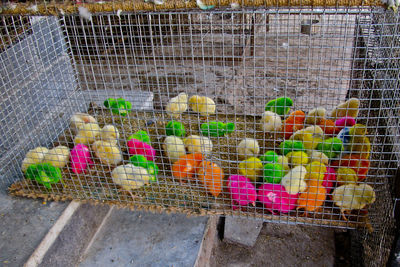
(289, 114)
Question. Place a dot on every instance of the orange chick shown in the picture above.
(293, 123)
(211, 175)
(313, 198)
(187, 166)
(328, 126)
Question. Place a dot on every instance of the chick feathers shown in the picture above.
(200, 144)
(294, 180)
(177, 105)
(107, 153)
(353, 197)
(130, 177)
(202, 104)
(247, 148)
(80, 119)
(87, 134)
(58, 156)
(271, 122)
(109, 133)
(174, 148)
(34, 156)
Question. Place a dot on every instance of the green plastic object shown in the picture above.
(141, 136)
(273, 173)
(217, 128)
(269, 157)
(280, 106)
(150, 166)
(290, 146)
(44, 173)
(175, 128)
(331, 147)
(118, 106)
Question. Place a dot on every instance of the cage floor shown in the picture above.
(170, 194)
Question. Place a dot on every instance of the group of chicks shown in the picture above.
(313, 158)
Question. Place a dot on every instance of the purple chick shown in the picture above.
(242, 190)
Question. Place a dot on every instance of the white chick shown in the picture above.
(293, 181)
(87, 134)
(34, 156)
(58, 156)
(318, 156)
(202, 104)
(108, 153)
(177, 105)
(284, 162)
(247, 148)
(201, 144)
(174, 148)
(271, 122)
(80, 119)
(314, 115)
(130, 177)
(110, 134)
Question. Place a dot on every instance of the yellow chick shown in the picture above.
(247, 148)
(130, 177)
(315, 115)
(359, 143)
(293, 181)
(201, 144)
(251, 168)
(348, 108)
(271, 122)
(284, 161)
(34, 156)
(58, 156)
(310, 136)
(110, 134)
(87, 134)
(353, 197)
(174, 148)
(108, 153)
(318, 156)
(346, 176)
(316, 171)
(177, 105)
(202, 104)
(80, 119)
(297, 158)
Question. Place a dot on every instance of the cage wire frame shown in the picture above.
(53, 67)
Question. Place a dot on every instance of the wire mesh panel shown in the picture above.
(265, 113)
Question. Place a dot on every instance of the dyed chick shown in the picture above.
(118, 106)
(251, 168)
(293, 123)
(141, 136)
(353, 197)
(280, 106)
(80, 158)
(359, 143)
(211, 175)
(174, 148)
(202, 104)
(34, 156)
(271, 122)
(44, 173)
(175, 128)
(136, 147)
(87, 134)
(187, 165)
(217, 128)
(177, 105)
(313, 198)
(130, 177)
(198, 144)
(58, 156)
(242, 191)
(109, 133)
(108, 153)
(150, 166)
(248, 148)
(275, 198)
(311, 136)
(80, 119)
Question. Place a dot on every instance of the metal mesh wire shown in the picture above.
(54, 67)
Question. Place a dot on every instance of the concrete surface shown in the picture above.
(145, 239)
(280, 245)
(23, 224)
(242, 231)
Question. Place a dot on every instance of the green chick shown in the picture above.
(175, 128)
(118, 106)
(141, 136)
(217, 128)
(269, 157)
(280, 106)
(290, 146)
(150, 166)
(273, 173)
(331, 147)
(44, 173)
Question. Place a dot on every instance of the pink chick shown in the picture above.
(275, 198)
(80, 158)
(329, 179)
(242, 190)
(137, 147)
(345, 122)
